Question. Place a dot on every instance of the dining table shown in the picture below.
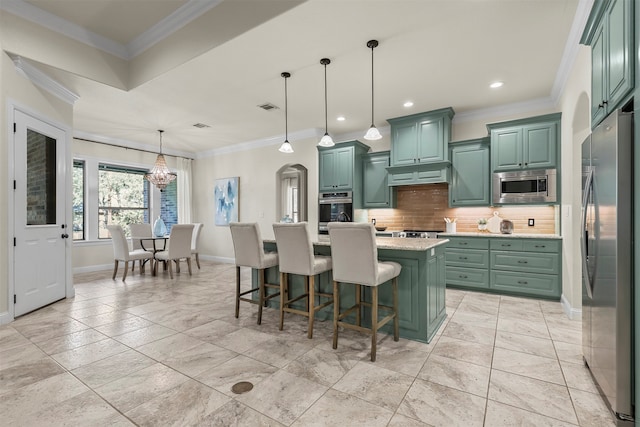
(156, 244)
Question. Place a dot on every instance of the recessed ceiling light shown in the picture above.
(341, 118)
(495, 85)
(408, 104)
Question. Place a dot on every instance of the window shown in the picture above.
(169, 205)
(123, 198)
(78, 200)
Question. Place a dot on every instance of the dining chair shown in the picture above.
(249, 252)
(121, 251)
(197, 228)
(179, 248)
(138, 231)
(295, 251)
(355, 260)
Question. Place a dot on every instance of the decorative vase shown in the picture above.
(159, 229)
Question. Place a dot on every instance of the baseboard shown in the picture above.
(5, 318)
(92, 268)
(223, 260)
(572, 313)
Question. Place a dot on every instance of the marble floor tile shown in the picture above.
(279, 351)
(524, 327)
(475, 319)
(469, 332)
(335, 408)
(187, 404)
(529, 365)
(463, 376)
(243, 340)
(145, 335)
(212, 331)
(19, 402)
(90, 311)
(321, 366)
(399, 356)
(71, 341)
(51, 328)
(123, 326)
(569, 352)
(237, 414)
(591, 409)
(112, 368)
(578, 376)
(240, 368)
(80, 356)
(170, 346)
(375, 384)
(27, 373)
(399, 420)
(140, 387)
(198, 359)
(10, 339)
(438, 405)
(466, 351)
(106, 318)
(499, 414)
(570, 336)
(478, 307)
(525, 344)
(533, 395)
(181, 319)
(20, 355)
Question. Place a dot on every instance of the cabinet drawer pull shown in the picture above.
(540, 246)
(522, 262)
(462, 257)
(523, 282)
(463, 243)
(463, 276)
(506, 245)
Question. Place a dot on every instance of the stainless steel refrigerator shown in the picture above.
(607, 299)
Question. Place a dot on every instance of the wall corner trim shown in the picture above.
(572, 313)
(43, 81)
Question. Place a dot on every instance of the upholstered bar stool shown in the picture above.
(355, 260)
(249, 252)
(295, 250)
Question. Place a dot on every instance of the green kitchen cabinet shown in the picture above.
(609, 32)
(340, 166)
(375, 187)
(467, 262)
(531, 143)
(470, 173)
(421, 138)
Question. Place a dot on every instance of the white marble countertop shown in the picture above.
(396, 243)
(503, 236)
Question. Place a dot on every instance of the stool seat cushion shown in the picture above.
(387, 270)
(270, 260)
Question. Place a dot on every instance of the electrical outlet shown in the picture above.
(532, 222)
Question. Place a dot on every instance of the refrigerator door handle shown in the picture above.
(585, 235)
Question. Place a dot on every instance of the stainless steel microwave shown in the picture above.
(525, 187)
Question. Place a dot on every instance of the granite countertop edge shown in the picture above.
(393, 243)
(503, 236)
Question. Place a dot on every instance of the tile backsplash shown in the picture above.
(424, 207)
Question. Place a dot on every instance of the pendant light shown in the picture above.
(286, 146)
(326, 140)
(373, 133)
(160, 175)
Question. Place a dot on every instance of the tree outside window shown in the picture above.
(78, 200)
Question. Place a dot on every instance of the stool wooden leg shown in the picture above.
(336, 313)
(283, 297)
(237, 289)
(358, 305)
(311, 302)
(396, 320)
(374, 322)
(261, 294)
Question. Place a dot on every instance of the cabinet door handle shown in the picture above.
(522, 262)
(525, 163)
(523, 282)
(519, 164)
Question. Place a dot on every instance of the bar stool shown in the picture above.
(296, 257)
(355, 260)
(249, 252)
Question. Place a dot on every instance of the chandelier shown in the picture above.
(160, 175)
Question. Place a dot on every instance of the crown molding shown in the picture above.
(505, 110)
(43, 81)
(172, 23)
(62, 26)
(178, 19)
(125, 143)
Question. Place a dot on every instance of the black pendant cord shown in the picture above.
(326, 123)
(161, 131)
(286, 107)
(372, 85)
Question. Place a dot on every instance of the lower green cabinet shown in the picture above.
(518, 266)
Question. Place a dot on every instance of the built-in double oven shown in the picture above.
(334, 207)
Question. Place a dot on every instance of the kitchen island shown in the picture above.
(421, 284)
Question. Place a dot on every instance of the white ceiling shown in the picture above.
(436, 53)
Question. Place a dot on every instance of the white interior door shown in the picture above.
(39, 214)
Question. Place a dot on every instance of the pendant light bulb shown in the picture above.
(286, 145)
(373, 133)
(326, 140)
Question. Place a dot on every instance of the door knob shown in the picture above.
(65, 236)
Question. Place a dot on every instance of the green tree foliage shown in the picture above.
(122, 199)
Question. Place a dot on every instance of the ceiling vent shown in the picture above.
(268, 106)
(201, 126)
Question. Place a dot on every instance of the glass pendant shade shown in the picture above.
(160, 175)
(373, 134)
(286, 147)
(326, 140)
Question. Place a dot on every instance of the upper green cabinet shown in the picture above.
(421, 138)
(340, 167)
(376, 190)
(609, 32)
(531, 143)
(470, 173)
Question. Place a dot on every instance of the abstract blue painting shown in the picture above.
(226, 199)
